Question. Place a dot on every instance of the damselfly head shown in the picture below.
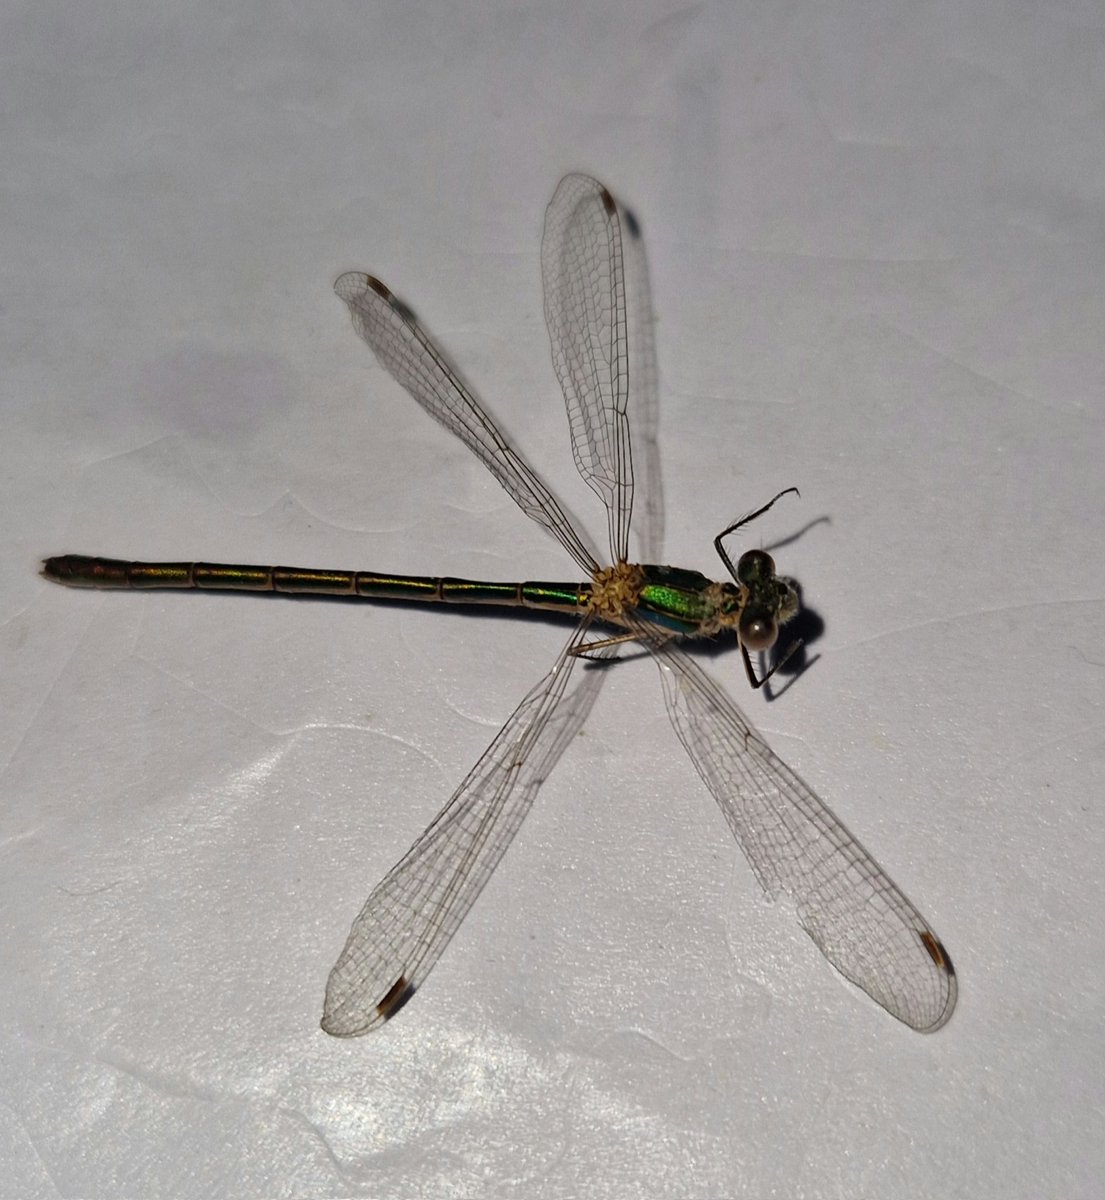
(770, 600)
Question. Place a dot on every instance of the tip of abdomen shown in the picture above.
(78, 570)
(58, 569)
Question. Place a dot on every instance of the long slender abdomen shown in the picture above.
(79, 570)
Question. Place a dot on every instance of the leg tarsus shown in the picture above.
(749, 670)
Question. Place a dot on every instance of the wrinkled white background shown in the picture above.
(876, 242)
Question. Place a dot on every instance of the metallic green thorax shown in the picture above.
(684, 601)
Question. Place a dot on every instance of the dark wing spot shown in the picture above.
(398, 994)
(608, 202)
(937, 952)
(379, 288)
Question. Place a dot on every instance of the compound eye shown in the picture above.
(755, 566)
(758, 631)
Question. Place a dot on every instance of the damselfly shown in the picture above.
(797, 848)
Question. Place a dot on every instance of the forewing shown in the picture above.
(405, 350)
(644, 396)
(853, 911)
(410, 916)
(585, 310)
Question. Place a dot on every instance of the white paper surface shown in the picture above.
(877, 256)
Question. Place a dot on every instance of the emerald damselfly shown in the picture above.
(797, 848)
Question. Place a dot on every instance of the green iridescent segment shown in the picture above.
(556, 596)
(394, 587)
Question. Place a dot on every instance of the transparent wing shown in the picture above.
(405, 350)
(648, 491)
(408, 920)
(853, 911)
(585, 310)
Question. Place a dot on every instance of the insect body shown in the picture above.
(847, 904)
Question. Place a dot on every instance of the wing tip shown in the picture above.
(352, 284)
(941, 959)
(335, 1021)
